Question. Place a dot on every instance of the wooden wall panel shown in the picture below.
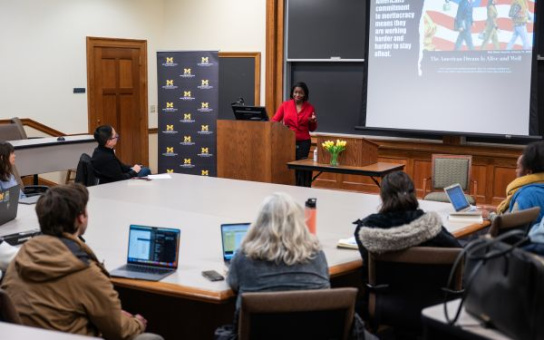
(502, 176)
(493, 167)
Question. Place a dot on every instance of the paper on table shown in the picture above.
(466, 218)
(159, 176)
(348, 243)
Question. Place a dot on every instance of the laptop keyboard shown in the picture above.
(147, 269)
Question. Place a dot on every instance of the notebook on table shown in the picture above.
(153, 253)
(9, 201)
(232, 235)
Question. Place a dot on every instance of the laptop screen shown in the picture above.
(9, 201)
(232, 236)
(153, 246)
(457, 197)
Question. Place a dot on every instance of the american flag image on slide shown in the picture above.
(439, 32)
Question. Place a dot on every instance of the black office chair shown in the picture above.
(401, 284)
(29, 190)
(85, 172)
(522, 219)
(303, 314)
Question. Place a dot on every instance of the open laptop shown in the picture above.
(458, 199)
(9, 201)
(153, 253)
(231, 237)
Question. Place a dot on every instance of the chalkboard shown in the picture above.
(239, 77)
(321, 29)
(336, 92)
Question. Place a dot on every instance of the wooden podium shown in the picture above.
(255, 151)
(359, 151)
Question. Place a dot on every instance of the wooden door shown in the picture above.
(117, 93)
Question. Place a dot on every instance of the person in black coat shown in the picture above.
(108, 168)
(400, 224)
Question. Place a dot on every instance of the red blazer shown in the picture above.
(298, 122)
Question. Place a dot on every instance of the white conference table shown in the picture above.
(197, 206)
(42, 155)
(17, 332)
(467, 327)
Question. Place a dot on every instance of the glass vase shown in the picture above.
(334, 158)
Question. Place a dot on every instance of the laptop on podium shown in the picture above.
(153, 253)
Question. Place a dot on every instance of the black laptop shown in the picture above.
(9, 201)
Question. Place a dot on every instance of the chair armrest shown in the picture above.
(425, 180)
(474, 190)
(374, 288)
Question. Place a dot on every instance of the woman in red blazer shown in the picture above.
(299, 115)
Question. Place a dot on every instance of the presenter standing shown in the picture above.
(299, 115)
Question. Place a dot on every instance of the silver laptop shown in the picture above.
(9, 201)
(153, 253)
(458, 199)
(232, 236)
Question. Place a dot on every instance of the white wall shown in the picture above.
(44, 53)
(224, 25)
(43, 49)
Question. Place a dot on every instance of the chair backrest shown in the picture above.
(451, 169)
(85, 172)
(401, 284)
(8, 313)
(11, 132)
(17, 122)
(302, 314)
(522, 219)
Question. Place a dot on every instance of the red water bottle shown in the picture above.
(310, 214)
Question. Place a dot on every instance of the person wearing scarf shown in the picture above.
(527, 190)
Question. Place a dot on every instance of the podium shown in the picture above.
(359, 151)
(255, 151)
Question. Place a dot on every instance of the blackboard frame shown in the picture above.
(251, 64)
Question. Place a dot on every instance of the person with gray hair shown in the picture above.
(278, 252)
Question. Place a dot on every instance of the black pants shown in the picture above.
(303, 178)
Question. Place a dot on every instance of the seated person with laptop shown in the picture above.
(278, 253)
(7, 173)
(56, 282)
(108, 168)
(527, 191)
(7, 160)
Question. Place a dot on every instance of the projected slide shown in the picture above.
(450, 65)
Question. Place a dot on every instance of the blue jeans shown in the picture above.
(466, 36)
(520, 31)
(144, 171)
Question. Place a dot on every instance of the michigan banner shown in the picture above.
(188, 99)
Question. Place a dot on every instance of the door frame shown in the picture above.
(93, 42)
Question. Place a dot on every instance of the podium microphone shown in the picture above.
(240, 101)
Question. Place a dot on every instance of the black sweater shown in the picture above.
(107, 166)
